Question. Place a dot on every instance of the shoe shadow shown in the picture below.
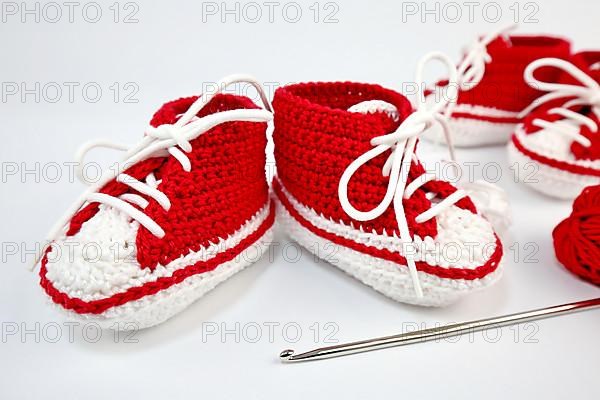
(185, 324)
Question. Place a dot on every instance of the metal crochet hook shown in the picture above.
(438, 332)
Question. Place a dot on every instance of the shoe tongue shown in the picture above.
(170, 112)
(374, 106)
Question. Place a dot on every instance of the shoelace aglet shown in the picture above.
(414, 275)
(418, 290)
(31, 266)
(430, 334)
(38, 257)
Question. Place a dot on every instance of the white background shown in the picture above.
(175, 50)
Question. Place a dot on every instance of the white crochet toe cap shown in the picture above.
(552, 144)
(98, 261)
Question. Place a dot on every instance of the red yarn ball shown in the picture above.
(577, 238)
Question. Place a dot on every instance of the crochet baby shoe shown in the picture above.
(492, 91)
(421, 241)
(557, 149)
(182, 213)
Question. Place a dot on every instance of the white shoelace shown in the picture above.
(162, 141)
(401, 144)
(472, 67)
(586, 94)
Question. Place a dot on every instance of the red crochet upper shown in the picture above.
(225, 187)
(316, 139)
(502, 86)
(584, 61)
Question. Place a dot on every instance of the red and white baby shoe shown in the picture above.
(182, 213)
(557, 148)
(351, 189)
(492, 91)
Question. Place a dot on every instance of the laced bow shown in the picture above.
(162, 141)
(587, 93)
(401, 145)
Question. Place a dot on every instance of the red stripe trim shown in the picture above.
(150, 288)
(451, 273)
(498, 120)
(565, 166)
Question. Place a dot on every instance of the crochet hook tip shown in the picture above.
(286, 355)
(289, 356)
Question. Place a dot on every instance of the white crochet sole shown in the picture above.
(154, 309)
(546, 179)
(467, 132)
(389, 278)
